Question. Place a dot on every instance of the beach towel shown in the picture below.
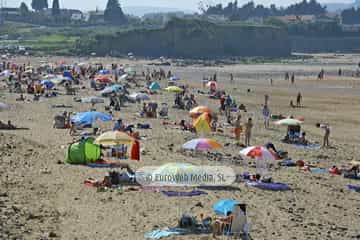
(166, 232)
(104, 164)
(288, 163)
(308, 146)
(183, 194)
(269, 186)
(354, 188)
(318, 171)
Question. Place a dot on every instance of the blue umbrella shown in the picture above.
(90, 117)
(154, 86)
(47, 83)
(68, 75)
(224, 206)
(112, 89)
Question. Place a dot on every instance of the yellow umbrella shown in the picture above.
(202, 123)
(174, 89)
(114, 138)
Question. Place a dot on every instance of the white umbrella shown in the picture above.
(93, 100)
(139, 96)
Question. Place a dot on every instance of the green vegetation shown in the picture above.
(192, 39)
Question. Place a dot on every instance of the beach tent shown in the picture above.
(154, 86)
(84, 118)
(83, 152)
(224, 206)
(202, 123)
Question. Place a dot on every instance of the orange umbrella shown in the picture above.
(197, 111)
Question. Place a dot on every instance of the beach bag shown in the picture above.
(187, 222)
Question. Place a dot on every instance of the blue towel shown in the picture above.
(318, 171)
(308, 146)
(354, 188)
(269, 186)
(183, 194)
(166, 232)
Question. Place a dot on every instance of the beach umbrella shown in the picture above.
(289, 122)
(258, 152)
(202, 123)
(92, 100)
(211, 84)
(154, 86)
(224, 206)
(3, 107)
(202, 144)
(114, 138)
(112, 89)
(174, 78)
(139, 97)
(84, 118)
(123, 77)
(195, 112)
(47, 83)
(103, 78)
(174, 89)
(68, 75)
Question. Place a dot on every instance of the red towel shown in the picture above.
(135, 151)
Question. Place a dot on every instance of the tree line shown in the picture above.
(249, 10)
(113, 13)
(351, 16)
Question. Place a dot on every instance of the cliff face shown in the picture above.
(325, 44)
(194, 39)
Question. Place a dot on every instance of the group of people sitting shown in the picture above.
(185, 101)
(8, 126)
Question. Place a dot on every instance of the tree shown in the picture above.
(113, 13)
(39, 5)
(55, 8)
(24, 10)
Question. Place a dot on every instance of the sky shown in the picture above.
(178, 4)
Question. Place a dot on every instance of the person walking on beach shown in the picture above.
(293, 78)
(237, 130)
(248, 128)
(287, 76)
(298, 100)
(231, 78)
(266, 115)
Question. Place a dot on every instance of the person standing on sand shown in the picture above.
(293, 78)
(237, 130)
(327, 130)
(298, 100)
(231, 78)
(266, 114)
(248, 128)
(266, 99)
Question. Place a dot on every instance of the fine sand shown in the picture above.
(42, 197)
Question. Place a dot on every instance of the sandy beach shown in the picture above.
(41, 197)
